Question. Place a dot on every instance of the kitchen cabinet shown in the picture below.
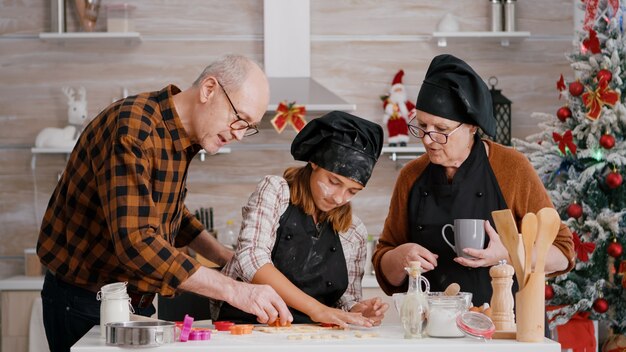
(17, 295)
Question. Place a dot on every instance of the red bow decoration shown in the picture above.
(622, 271)
(560, 85)
(566, 140)
(591, 44)
(591, 9)
(583, 249)
(594, 100)
(289, 114)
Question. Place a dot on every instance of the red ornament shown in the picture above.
(600, 305)
(564, 113)
(614, 249)
(607, 141)
(576, 88)
(613, 180)
(604, 75)
(549, 292)
(575, 210)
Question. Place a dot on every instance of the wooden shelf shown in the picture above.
(68, 150)
(86, 36)
(411, 151)
(505, 38)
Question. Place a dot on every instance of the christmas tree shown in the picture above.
(580, 154)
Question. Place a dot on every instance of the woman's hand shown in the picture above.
(373, 308)
(394, 261)
(339, 317)
(409, 252)
(494, 253)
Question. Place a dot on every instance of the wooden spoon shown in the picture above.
(529, 233)
(548, 222)
(507, 229)
(452, 290)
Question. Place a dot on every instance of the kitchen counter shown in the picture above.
(390, 338)
(26, 283)
(22, 283)
(369, 281)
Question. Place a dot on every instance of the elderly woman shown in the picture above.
(461, 176)
(299, 234)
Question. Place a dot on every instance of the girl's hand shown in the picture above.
(372, 308)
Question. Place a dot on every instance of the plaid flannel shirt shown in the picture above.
(118, 213)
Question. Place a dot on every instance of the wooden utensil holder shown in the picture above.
(531, 309)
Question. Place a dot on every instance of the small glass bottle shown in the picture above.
(414, 308)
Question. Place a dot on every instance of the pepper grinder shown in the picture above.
(502, 298)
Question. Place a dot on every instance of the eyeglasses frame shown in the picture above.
(249, 129)
(427, 133)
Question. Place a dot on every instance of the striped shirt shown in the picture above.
(118, 213)
(261, 218)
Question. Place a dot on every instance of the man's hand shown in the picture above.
(262, 301)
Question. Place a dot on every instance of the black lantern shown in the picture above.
(502, 113)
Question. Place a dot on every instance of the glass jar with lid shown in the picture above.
(443, 313)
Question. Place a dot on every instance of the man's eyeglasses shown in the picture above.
(437, 137)
(239, 123)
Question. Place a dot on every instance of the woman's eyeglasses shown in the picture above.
(437, 137)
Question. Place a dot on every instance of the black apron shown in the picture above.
(433, 202)
(311, 258)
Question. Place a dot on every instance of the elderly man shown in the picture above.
(118, 213)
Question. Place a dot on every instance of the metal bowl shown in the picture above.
(140, 333)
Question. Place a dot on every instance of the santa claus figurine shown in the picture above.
(397, 110)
